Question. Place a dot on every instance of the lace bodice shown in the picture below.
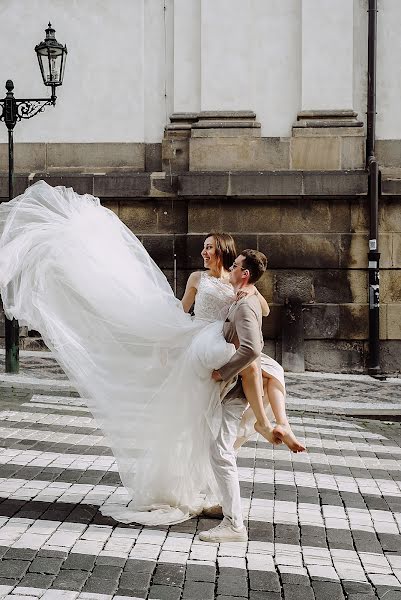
(213, 298)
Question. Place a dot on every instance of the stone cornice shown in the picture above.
(263, 184)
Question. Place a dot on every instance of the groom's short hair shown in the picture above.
(255, 262)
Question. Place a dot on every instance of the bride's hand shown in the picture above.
(240, 295)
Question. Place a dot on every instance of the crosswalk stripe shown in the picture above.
(269, 511)
(163, 546)
(67, 402)
(272, 454)
(57, 407)
(47, 419)
(89, 422)
(342, 483)
(328, 422)
(362, 462)
(294, 478)
(52, 436)
(261, 452)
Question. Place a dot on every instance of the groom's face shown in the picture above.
(237, 271)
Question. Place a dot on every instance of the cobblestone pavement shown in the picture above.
(38, 364)
(312, 392)
(324, 525)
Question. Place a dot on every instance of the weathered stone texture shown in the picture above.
(238, 153)
(335, 356)
(298, 215)
(390, 353)
(394, 321)
(302, 251)
(354, 250)
(320, 154)
(316, 243)
(28, 158)
(389, 152)
(389, 216)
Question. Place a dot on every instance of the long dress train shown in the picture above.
(72, 271)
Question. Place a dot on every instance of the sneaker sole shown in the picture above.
(222, 540)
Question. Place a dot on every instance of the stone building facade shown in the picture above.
(248, 116)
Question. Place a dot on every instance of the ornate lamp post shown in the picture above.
(51, 56)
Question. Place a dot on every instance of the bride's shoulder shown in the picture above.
(194, 279)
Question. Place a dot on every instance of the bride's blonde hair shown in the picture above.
(225, 247)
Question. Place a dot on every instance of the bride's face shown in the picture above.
(209, 254)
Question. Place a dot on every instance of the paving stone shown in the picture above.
(165, 592)
(49, 566)
(257, 595)
(137, 582)
(9, 582)
(197, 590)
(294, 579)
(232, 572)
(356, 587)
(232, 586)
(13, 568)
(70, 580)
(107, 572)
(298, 592)
(387, 593)
(96, 585)
(371, 596)
(112, 561)
(36, 580)
(169, 574)
(326, 590)
(390, 543)
(82, 562)
(200, 572)
(139, 566)
(264, 581)
(20, 553)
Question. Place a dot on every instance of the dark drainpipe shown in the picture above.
(373, 196)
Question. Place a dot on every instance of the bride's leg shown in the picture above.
(282, 430)
(252, 390)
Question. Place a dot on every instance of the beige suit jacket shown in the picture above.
(243, 327)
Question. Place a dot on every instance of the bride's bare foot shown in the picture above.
(286, 435)
(268, 433)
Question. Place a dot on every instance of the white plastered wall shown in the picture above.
(131, 63)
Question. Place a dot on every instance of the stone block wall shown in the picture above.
(312, 227)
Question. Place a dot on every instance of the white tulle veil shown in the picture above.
(70, 269)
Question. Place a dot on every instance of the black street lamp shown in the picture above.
(51, 56)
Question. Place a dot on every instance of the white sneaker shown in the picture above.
(225, 532)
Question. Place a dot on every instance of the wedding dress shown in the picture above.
(70, 269)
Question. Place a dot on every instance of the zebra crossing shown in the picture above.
(329, 517)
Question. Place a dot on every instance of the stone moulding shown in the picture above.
(261, 184)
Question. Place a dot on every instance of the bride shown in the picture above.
(70, 269)
(211, 294)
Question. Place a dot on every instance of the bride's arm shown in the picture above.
(263, 303)
(190, 291)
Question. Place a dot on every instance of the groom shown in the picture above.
(242, 328)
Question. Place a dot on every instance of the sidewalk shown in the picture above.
(342, 394)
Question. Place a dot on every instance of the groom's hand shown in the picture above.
(216, 376)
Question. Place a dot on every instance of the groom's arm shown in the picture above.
(248, 331)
